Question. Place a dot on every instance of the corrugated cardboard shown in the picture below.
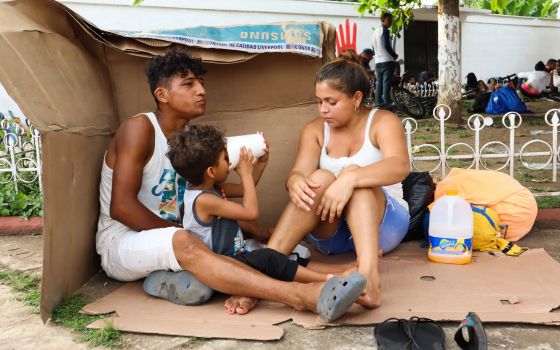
(77, 83)
(138, 312)
(499, 288)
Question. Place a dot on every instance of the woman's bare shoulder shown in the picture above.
(314, 126)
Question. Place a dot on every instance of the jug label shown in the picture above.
(450, 246)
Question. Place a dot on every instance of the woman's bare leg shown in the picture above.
(364, 213)
(292, 226)
(295, 223)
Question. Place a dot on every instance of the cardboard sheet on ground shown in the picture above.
(525, 292)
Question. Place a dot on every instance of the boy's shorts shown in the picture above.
(131, 255)
(392, 230)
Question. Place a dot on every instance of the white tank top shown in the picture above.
(161, 190)
(192, 222)
(367, 155)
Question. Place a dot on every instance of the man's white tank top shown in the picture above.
(161, 190)
(367, 155)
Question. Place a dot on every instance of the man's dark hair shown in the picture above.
(540, 66)
(174, 62)
(386, 15)
(345, 76)
(367, 52)
(551, 62)
(194, 149)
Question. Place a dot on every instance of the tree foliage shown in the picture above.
(400, 9)
(528, 8)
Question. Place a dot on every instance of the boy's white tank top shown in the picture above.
(160, 192)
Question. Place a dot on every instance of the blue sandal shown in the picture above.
(338, 294)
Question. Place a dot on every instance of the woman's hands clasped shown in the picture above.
(335, 199)
(300, 190)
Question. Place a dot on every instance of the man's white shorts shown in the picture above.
(132, 255)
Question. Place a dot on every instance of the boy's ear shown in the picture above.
(211, 172)
(161, 94)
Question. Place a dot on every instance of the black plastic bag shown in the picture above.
(418, 191)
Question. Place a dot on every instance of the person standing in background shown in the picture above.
(385, 58)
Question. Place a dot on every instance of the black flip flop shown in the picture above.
(477, 335)
(413, 334)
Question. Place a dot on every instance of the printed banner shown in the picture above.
(283, 37)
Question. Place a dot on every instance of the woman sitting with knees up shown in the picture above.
(536, 81)
(345, 186)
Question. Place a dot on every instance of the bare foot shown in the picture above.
(371, 297)
(240, 305)
(307, 295)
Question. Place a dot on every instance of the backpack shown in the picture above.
(488, 234)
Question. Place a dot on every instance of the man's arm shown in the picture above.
(134, 145)
(387, 43)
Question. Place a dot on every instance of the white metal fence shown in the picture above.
(478, 154)
(20, 148)
(20, 153)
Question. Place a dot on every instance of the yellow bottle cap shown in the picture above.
(451, 192)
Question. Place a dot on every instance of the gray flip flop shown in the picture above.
(177, 287)
(338, 294)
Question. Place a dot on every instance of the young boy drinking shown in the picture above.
(198, 153)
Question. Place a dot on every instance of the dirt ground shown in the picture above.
(19, 329)
(533, 127)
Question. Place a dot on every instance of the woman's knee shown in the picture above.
(322, 177)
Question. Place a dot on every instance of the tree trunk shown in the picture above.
(449, 57)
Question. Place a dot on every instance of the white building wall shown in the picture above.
(498, 46)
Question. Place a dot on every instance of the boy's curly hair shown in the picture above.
(194, 149)
(175, 61)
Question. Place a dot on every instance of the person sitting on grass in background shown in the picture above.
(199, 154)
(471, 86)
(481, 97)
(537, 80)
(554, 82)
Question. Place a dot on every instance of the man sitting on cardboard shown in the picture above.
(140, 194)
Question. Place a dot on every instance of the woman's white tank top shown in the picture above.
(367, 155)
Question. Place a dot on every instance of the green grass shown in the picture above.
(68, 315)
(25, 286)
(463, 134)
(548, 202)
(27, 290)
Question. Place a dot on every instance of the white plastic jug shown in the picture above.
(451, 230)
(254, 142)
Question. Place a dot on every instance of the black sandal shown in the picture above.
(477, 335)
(415, 333)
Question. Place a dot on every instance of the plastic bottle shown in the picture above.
(451, 230)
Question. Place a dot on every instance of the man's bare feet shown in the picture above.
(240, 305)
(371, 297)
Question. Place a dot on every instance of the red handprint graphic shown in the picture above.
(343, 43)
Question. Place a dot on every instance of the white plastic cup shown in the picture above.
(253, 142)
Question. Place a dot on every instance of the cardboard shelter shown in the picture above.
(77, 83)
